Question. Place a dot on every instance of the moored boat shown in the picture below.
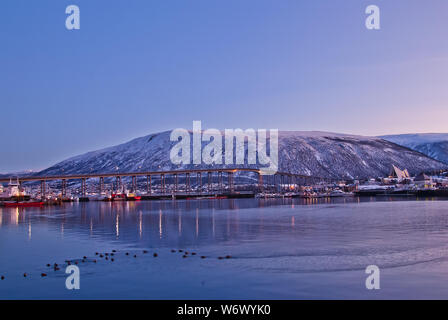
(130, 196)
(339, 193)
(13, 192)
(206, 197)
(118, 197)
(14, 204)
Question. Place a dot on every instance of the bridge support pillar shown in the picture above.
(220, 181)
(162, 183)
(101, 186)
(134, 184)
(64, 188)
(148, 184)
(260, 182)
(175, 183)
(43, 191)
(187, 182)
(199, 181)
(230, 177)
(83, 187)
(209, 181)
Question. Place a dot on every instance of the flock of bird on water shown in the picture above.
(110, 256)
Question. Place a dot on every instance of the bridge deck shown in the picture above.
(148, 173)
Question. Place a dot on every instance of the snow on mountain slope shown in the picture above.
(434, 145)
(310, 153)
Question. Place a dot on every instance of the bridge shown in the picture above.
(281, 181)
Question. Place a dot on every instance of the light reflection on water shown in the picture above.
(271, 240)
(187, 220)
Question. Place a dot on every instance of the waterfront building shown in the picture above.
(423, 181)
(398, 174)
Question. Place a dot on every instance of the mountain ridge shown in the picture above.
(315, 153)
(433, 145)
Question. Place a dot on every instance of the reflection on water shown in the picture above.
(271, 240)
(161, 222)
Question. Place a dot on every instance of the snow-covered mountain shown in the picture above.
(434, 145)
(310, 153)
(17, 174)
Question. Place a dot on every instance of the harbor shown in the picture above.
(178, 185)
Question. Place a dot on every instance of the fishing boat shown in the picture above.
(103, 196)
(13, 192)
(118, 196)
(14, 204)
(130, 196)
(339, 193)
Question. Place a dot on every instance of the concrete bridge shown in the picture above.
(280, 180)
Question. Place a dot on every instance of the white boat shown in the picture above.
(13, 192)
(269, 195)
(339, 193)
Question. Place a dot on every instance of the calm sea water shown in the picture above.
(280, 249)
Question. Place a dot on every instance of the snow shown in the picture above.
(434, 145)
(314, 153)
(416, 138)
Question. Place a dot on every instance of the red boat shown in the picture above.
(133, 198)
(14, 204)
(130, 196)
(118, 197)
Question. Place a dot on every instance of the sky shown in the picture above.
(142, 66)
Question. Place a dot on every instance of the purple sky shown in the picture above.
(138, 67)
